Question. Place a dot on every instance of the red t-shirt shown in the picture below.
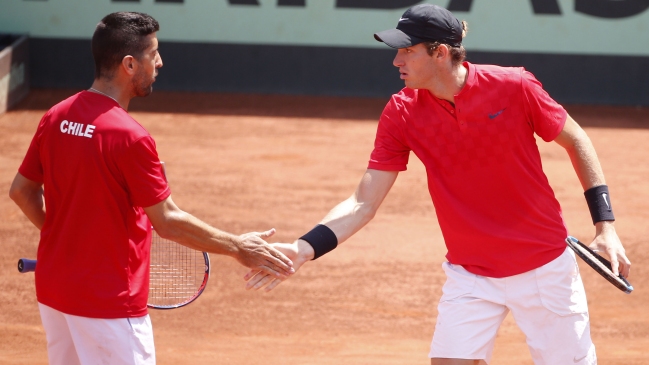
(495, 207)
(99, 168)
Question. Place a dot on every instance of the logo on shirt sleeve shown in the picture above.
(77, 129)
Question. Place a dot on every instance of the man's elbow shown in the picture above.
(12, 194)
(572, 135)
(164, 231)
(22, 190)
(368, 212)
(170, 227)
(17, 195)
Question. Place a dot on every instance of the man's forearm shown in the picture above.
(343, 220)
(355, 212)
(249, 249)
(586, 164)
(28, 196)
(186, 229)
(348, 217)
(352, 214)
(582, 154)
(34, 209)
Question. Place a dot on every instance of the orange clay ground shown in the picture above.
(248, 163)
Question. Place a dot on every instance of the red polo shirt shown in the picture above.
(99, 168)
(495, 207)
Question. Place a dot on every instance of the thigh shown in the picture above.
(553, 314)
(469, 315)
(60, 346)
(123, 341)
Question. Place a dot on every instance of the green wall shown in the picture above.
(495, 25)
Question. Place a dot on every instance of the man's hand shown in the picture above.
(606, 240)
(255, 253)
(299, 252)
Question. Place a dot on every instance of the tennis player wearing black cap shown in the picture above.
(473, 127)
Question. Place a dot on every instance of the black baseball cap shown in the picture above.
(423, 23)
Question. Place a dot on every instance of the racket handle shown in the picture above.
(26, 265)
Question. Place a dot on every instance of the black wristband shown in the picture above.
(599, 204)
(322, 239)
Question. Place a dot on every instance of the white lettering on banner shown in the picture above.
(77, 129)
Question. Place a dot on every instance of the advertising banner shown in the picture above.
(606, 27)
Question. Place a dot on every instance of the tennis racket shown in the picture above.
(600, 264)
(178, 274)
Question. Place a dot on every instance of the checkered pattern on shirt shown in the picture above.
(483, 166)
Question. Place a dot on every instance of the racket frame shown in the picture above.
(599, 264)
(198, 292)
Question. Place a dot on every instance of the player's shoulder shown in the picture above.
(496, 73)
(110, 117)
(64, 105)
(410, 101)
(406, 96)
(490, 69)
(127, 130)
(126, 123)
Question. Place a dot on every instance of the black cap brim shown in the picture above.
(395, 38)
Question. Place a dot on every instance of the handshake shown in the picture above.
(281, 260)
(271, 263)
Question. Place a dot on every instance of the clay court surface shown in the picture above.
(248, 163)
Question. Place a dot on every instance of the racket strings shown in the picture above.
(177, 273)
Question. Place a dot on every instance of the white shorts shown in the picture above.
(548, 304)
(74, 340)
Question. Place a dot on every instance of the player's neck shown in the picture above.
(449, 84)
(113, 90)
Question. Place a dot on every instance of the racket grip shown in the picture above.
(26, 265)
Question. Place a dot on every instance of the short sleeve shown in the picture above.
(547, 117)
(32, 166)
(390, 152)
(143, 173)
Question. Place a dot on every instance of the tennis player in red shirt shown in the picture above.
(473, 127)
(98, 173)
